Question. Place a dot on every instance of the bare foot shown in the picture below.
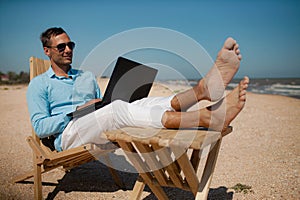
(232, 104)
(226, 65)
(217, 116)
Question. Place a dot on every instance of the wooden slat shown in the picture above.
(68, 166)
(45, 149)
(186, 138)
(69, 159)
(68, 152)
(208, 171)
(153, 164)
(133, 156)
(37, 176)
(39, 154)
(141, 167)
(164, 155)
(189, 172)
(137, 189)
(195, 158)
(38, 66)
(30, 174)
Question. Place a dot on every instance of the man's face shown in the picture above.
(60, 56)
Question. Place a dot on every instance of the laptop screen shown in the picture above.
(129, 81)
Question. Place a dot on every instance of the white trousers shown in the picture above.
(146, 112)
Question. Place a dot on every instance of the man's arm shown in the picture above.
(39, 108)
(93, 101)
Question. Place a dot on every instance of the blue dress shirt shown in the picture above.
(50, 98)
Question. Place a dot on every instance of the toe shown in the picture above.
(236, 47)
(246, 80)
(240, 57)
(243, 93)
(243, 97)
(229, 43)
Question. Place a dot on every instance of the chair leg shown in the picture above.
(23, 177)
(155, 188)
(37, 177)
(37, 181)
(114, 172)
(138, 163)
(138, 189)
(208, 171)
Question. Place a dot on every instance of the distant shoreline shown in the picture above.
(277, 86)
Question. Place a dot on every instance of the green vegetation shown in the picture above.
(238, 188)
(12, 78)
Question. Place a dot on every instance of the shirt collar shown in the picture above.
(50, 73)
(72, 72)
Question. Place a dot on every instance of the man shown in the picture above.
(62, 90)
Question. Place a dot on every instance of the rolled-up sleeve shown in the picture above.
(39, 108)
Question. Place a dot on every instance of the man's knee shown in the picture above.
(119, 106)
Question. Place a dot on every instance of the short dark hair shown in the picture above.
(46, 36)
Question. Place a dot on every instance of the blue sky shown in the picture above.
(268, 31)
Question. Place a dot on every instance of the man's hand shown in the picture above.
(88, 103)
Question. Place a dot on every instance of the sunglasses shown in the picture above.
(62, 46)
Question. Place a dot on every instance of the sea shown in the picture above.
(279, 86)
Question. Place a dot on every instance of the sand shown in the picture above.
(262, 152)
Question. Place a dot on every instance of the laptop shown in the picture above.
(129, 81)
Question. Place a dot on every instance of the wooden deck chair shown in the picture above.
(171, 158)
(45, 158)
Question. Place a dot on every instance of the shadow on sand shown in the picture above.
(95, 177)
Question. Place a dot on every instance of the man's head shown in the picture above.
(57, 46)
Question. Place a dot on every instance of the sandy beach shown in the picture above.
(262, 152)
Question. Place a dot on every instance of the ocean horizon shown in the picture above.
(278, 86)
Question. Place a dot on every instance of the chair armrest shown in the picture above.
(37, 150)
